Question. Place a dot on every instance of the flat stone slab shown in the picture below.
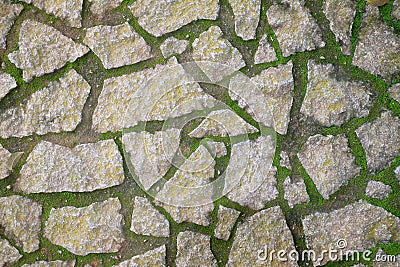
(265, 52)
(8, 253)
(295, 191)
(84, 168)
(329, 162)
(43, 49)
(7, 82)
(226, 220)
(53, 109)
(379, 190)
(161, 17)
(96, 228)
(99, 7)
(117, 46)
(9, 13)
(57, 263)
(172, 46)
(155, 257)
(395, 92)
(247, 16)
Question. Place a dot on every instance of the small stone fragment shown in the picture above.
(194, 250)
(380, 140)
(329, 162)
(265, 229)
(247, 16)
(395, 92)
(265, 52)
(155, 257)
(379, 190)
(43, 49)
(160, 17)
(93, 229)
(171, 46)
(396, 10)
(55, 108)
(226, 220)
(8, 254)
(378, 2)
(99, 7)
(57, 263)
(8, 14)
(285, 161)
(7, 82)
(295, 191)
(7, 160)
(216, 149)
(397, 172)
(20, 217)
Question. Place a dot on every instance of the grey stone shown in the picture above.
(160, 17)
(43, 49)
(380, 140)
(194, 250)
(216, 149)
(265, 52)
(8, 253)
(155, 257)
(9, 13)
(99, 7)
(395, 92)
(379, 190)
(7, 82)
(329, 162)
(84, 168)
(397, 172)
(21, 219)
(96, 228)
(295, 191)
(56, 263)
(265, 229)
(332, 100)
(396, 10)
(7, 161)
(55, 108)
(247, 16)
(285, 160)
(171, 46)
(226, 220)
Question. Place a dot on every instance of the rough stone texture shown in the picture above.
(379, 190)
(295, 191)
(395, 92)
(285, 160)
(20, 218)
(56, 263)
(155, 257)
(247, 15)
(217, 149)
(8, 254)
(173, 46)
(146, 220)
(117, 46)
(226, 220)
(380, 140)
(378, 46)
(374, 225)
(295, 28)
(265, 52)
(396, 10)
(223, 123)
(93, 229)
(99, 7)
(7, 160)
(160, 17)
(397, 172)
(341, 16)
(331, 99)
(266, 228)
(250, 173)
(194, 250)
(151, 154)
(55, 108)
(84, 168)
(8, 14)
(43, 49)
(7, 82)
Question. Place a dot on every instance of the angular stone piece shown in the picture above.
(226, 220)
(155, 257)
(396, 10)
(20, 217)
(99, 7)
(194, 250)
(96, 228)
(379, 190)
(380, 140)
(329, 162)
(8, 254)
(171, 46)
(397, 172)
(374, 225)
(247, 16)
(43, 49)
(8, 14)
(285, 160)
(53, 109)
(84, 168)
(146, 220)
(265, 52)
(266, 228)
(217, 149)
(295, 191)
(332, 100)
(378, 46)
(57, 263)
(395, 92)
(160, 17)
(295, 28)
(7, 82)
(7, 160)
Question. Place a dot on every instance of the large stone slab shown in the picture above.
(9, 13)
(247, 16)
(155, 257)
(7, 82)
(8, 253)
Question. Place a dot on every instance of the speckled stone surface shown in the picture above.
(8, 253)
(9, 12)
(155, 257)
(265, 52)
(226, 220)
(247, 16)
(7, 82)
(379, 190)
(171, 46)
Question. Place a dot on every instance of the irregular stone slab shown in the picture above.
(396, 10)
(146, 220)
(20, 217)
(265, 52)
(265, 229)
(9, 13)
(378, 46)
(53, 109)
(216, 149)
(331, 100)
(379, 190)
(84, 168)
(294, 27)
(43, 49)
(380, 140)
(194, 250)
(155, 257)
(151, 154)
(161, 17)
(99, 228)
(251, 174)
(223, 123)
(8, 254)
(7, 160)
(226, 220)
(329, 162)
(117, 46)
(7, 82)
(395, 92)
(295, 191)
(341, 15)
(57, 263)
(247, 16)
(285, 160)
(374, 226)
(171, 46)
(99, 7)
